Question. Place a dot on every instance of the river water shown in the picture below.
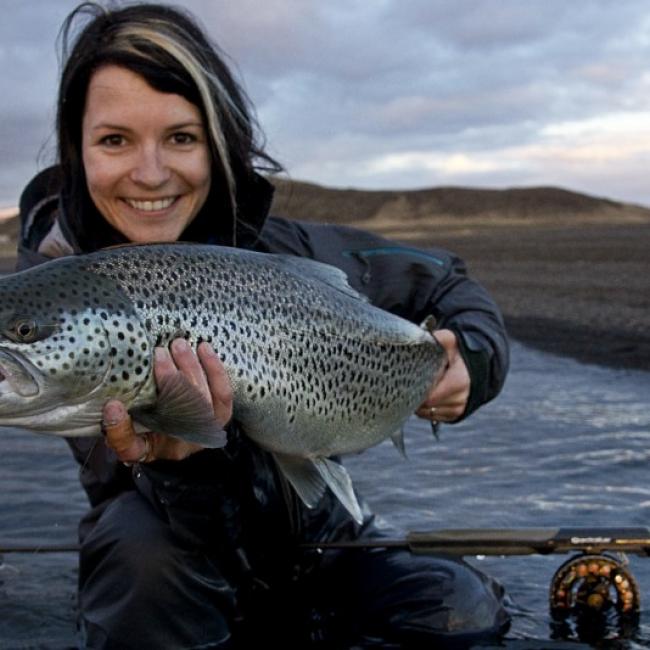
(565, 444)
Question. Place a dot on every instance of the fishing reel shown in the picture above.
(593, 594)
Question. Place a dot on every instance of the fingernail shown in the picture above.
(160, 355)
(180, 345)
(113, 413)
(208, 349)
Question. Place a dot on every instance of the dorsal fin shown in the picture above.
(326, 273)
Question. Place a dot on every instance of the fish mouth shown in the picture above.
(17, 375)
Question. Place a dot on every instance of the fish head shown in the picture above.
(68, 343)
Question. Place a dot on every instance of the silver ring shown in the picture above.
(147, 451)
(147, 448)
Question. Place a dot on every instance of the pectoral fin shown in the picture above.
(181, 411)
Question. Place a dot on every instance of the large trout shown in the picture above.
(316, 370)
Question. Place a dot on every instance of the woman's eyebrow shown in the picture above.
(108, 125)
(122, 127)
(184, 125)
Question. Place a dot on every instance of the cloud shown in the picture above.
(408, 94)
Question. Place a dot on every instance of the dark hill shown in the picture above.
(314, 202)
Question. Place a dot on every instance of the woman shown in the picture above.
(193, 548)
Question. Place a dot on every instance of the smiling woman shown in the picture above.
(204, 112)
(188, 546)
(146, 156)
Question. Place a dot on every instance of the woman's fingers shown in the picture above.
(203, 370)
(120, 435)
(218, 382)
(447, 400)
(181, 358)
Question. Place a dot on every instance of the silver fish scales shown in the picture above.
(316, 370)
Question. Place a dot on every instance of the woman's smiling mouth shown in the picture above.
(151, 206)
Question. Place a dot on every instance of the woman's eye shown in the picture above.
(113, 140)
(183, 138)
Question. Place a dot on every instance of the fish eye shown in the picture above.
(27, 330)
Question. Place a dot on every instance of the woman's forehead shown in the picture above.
(117, 93)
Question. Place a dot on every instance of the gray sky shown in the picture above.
(398, 93)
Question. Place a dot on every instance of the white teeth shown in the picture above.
(150, 206)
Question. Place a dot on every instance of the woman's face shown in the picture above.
(145, 154)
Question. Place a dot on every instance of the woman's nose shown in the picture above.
(150, 168)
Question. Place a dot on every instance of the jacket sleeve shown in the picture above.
(412, 283)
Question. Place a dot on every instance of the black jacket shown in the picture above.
(404, 280)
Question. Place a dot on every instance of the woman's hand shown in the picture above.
(447, 400)
(204, 370)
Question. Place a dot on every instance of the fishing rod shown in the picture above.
(467, 541)
(510, 541)
(8, 549)
(591, 580)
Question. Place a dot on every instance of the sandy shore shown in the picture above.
(575, 289)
